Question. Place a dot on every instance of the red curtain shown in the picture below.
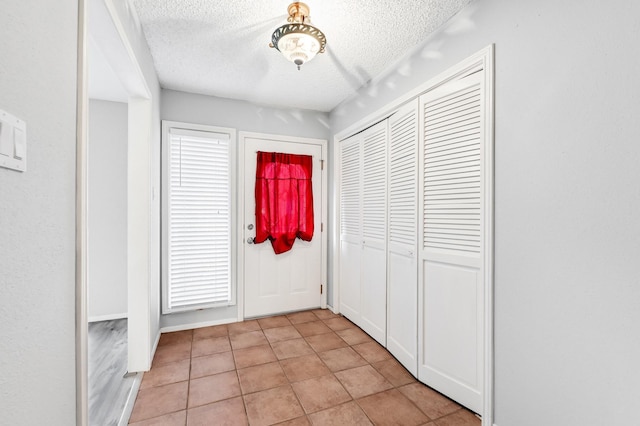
(284, 199)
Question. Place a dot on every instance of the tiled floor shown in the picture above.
(311, 367)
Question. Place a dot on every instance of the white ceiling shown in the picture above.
(221, 48)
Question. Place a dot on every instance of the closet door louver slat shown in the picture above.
(374, 188)
(452, 172)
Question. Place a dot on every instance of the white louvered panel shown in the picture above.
(350, 208)
(374, 187)
(199, 221)
(402, 178)
(452, 171)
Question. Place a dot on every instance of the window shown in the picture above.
(198, 217)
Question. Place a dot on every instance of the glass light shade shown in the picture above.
(298, 47)
(299, 43)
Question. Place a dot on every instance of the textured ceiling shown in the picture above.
(220, 48)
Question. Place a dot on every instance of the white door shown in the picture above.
(350, 226)
(452, 188)
(289, 281)
(363, 230)
(374, 232)
(402, 304)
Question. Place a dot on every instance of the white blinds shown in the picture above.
(199, 220)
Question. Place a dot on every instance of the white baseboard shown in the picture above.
(109, 317)
(197, 325)
(131, 399)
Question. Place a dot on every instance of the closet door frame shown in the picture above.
(482, 60)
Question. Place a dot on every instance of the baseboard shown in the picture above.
(131, 399)
(197, 325)
(154, 347)
(110, 317)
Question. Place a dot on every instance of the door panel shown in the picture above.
(452, 232)
(289, 281)
(350, 227)
(402, 299)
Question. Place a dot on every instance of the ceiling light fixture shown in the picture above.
(298, 41)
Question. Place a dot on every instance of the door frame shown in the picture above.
(323, 143)
(139, 201)
(482, 60)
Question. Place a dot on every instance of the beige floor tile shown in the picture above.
(459, 418)
(320, 393)
(291, 348)
(229, 412)
(261, 377)
(345, 414)
(243, 327)
(272, 322)
(394, 372)
(160, 400)
(392, 408)
(165, 374)
(172, 353)
(212, 364)
(304, 367)
(300, 421)
(278, 334)
(339, 323)
(300, 317)
(362, 381)
(209, 346)
(432, 403)
(213, 331)
(354, 336)
(208, 389)
(312, 328)
(254, 355)
(246, 340)
(324, 314)
(178, 418)
(175, 337)
(272, 406)
(325, 342)
(341, 359)
(372, 352)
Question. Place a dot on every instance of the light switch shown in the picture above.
(13, 142)
(19, 144)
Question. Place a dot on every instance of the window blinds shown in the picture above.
(199, 216)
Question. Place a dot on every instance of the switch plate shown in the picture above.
(13, 142)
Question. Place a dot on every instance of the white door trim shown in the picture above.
(482, 60)
(240, 226)
(139, 212)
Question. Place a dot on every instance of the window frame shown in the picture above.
(167, 127)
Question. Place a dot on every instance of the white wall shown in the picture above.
(37, 215)
(243, 116)
(567, 200)
(107, 211)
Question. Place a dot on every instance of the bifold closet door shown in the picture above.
(350, 226)
(402, 287)
(452, 239)
(374, 232)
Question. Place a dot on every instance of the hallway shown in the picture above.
(311, 367)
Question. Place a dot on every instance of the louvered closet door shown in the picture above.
(350, 226)
(451, 250)
(402, 311)
(374, 232)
